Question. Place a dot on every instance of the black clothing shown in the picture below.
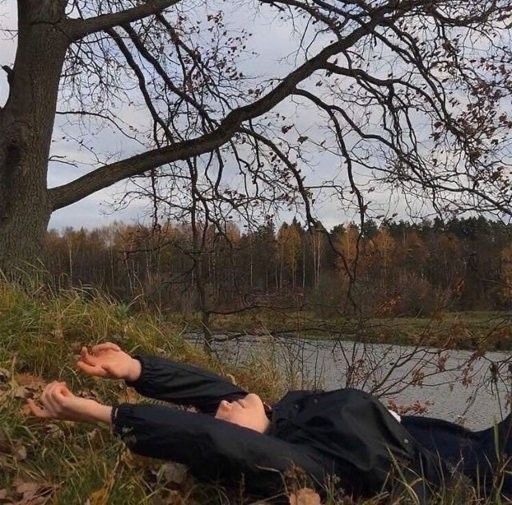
(347, 433)
(476, 454)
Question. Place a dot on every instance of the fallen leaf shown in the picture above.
(174, 473)
(99, 497)
(25, 410)
(54, 431)
(5, 375)
(30, 381)
(20, 453)
(27, 488)
(305, 496)
(128, 459)
(32, 493)
(129, 395)
(21, 392)
(57, 333)
(88, 393)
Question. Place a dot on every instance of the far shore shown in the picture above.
(476, 330)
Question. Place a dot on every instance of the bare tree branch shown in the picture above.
(79, 28)
(115, 172)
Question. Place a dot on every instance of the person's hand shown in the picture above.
(108, 360)
(58, 402)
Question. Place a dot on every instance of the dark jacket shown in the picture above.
(483, 456)
(347, 433)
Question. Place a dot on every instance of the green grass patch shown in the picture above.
(41, 334)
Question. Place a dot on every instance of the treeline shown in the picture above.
(395, 268)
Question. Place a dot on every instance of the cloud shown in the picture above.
(98, 210)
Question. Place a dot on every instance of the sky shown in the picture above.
(272, 40)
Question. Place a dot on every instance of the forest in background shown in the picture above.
(387, 270)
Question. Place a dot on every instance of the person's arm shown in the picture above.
(160, 378)
(215, 449)
(183, 384)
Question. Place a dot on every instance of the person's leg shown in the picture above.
(495, 446)
(477, 454)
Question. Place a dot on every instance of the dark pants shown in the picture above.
(480, 455)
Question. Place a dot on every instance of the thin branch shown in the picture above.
(79, 28)
(97, 115)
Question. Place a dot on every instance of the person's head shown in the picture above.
(248, 412)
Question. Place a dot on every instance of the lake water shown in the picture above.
(459, 386)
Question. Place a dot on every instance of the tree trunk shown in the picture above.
(24, 211)
(26, 125)
(303, 265)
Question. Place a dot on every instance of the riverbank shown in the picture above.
(66, 463)
(485, 331)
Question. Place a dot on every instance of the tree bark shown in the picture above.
(26, 125)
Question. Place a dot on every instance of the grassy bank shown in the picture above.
(66, 463)
(452, 330)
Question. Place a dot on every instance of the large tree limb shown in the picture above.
(110, 174)
(79, 28)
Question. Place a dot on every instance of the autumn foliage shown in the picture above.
(391, 269)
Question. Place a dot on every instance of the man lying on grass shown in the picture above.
(344, 433)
